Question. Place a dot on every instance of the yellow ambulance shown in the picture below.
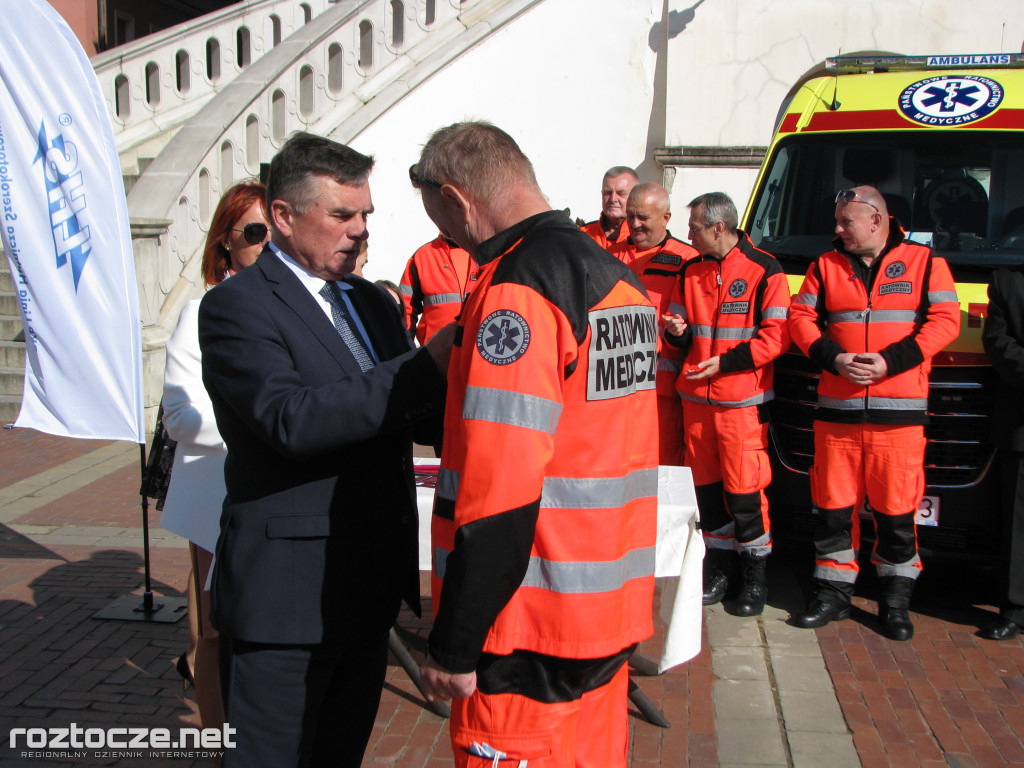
(942, 137)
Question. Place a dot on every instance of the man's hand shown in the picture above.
(440, 684)
(440, 346)
(863, 368)
(705, 369)
(674, 324)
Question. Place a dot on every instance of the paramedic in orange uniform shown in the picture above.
(612, 228)
(543, 531)
(728, 314)
(657, 257)
(872, 313)
(436, 279)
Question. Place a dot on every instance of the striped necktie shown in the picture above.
(346, 326)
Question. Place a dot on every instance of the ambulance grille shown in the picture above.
(959, 451)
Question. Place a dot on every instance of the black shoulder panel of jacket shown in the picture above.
(563, 265)
(763, 259)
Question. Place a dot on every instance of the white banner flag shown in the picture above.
(66, 234)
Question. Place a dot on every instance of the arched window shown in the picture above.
(227, 165)
(243, 47)
(122, 99)
(252, 141)
(307, 13)
(335, 68)
(277, 115)
(306, 91)
(204, 198)
(152, 84)
(182, 72)
(431, 13)
(213, 59)
(180, 227)
(365, 44)
(397, 23)
(275, 29)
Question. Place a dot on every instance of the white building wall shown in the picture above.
(572, 82)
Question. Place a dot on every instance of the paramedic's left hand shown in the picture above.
(705, 369)
(440, 684)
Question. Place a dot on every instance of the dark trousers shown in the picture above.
(1011, 547)
(301, 706)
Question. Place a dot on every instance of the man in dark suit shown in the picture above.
(316, 391)
(1004, 342)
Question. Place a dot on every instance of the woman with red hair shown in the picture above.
(237, 235)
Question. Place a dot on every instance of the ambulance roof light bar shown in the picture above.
(848, 65)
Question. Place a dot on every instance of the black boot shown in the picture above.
(755, 589)
(893, 607)
(718, 566)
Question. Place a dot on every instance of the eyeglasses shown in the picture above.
(254, 232)
(418, 181)
(852, 196)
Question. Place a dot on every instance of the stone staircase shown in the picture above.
(12, 349)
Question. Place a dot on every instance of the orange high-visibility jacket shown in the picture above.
(544, 519)
(736, 307)
(595, 230)
(436, 278)
(659, 269)
(908, 314)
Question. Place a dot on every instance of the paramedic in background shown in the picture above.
(728, 314)
(543, 537)
(436, 280)
(871, 313)
(612, 228)
(657, 258)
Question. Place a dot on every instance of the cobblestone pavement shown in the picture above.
(761, 693)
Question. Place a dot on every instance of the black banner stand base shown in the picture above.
(162, 610)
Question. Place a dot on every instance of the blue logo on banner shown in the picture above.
(66, 199)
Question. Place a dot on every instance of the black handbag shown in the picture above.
(157, 475)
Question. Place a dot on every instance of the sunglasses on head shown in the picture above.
(852, 196)
(419, 181)
(254, 232)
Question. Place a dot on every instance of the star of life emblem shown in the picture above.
(950, 100)
(503, 337)
(738, 288)
(895, 269)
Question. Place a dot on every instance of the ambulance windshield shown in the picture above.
(960, 192)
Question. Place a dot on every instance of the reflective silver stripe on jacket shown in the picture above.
(810, 299)
(677, 309)
(513, 408)
(763, 397)
(780, 313)
(443, 298)
(405, 290)
(708, 332)
(447, 484)
(598, 492)
(875, 316)
(672, 366)
(880, 403)
(574, 578)
(938, 297)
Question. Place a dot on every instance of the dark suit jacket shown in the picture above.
(1003, 337)
(319, 528)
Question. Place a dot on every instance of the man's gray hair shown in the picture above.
(718, 207)
(477, 157)
(305, 156)
(619, 170)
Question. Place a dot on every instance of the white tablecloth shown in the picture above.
(680, 552)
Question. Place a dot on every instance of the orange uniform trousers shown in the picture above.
(589, 732)
(884, 464)
(727, 451)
